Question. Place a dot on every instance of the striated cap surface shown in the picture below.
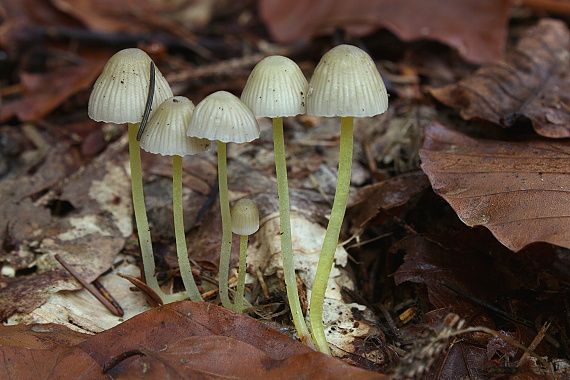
(346, 82)
(245, 217)
(165, 132)
(223, 117)
(276, 87)
(120, 93)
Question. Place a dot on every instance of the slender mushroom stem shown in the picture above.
(331, 237)
(141, 218)
(226, 247)
(181, 249)
(285, 222)
(240, 291)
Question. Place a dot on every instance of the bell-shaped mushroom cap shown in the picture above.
(346, 82)
(276, 87)
(245, 217)
(120, 93)
(165, 132)
(223, 117)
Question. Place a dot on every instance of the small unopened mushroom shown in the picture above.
(221, 116)
(245, 222)
(345, 83)
(277, 88)
(165, 134)
(120, 96)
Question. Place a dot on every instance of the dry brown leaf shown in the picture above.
(44, 351)
(476, 28)
(532, 81)
(39, 337)
(189, 340)
(180, 340)
(519, 191)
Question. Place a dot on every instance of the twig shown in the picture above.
(90, 288)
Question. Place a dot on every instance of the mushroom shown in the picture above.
(245, 222)
(120, 96)
(276, 88)
(165, 134)
(345, 83)
(224, 118)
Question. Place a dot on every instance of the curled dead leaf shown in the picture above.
(532, 81)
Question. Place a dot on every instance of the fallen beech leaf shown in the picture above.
(214, 357)
(39, 336)
(188, 339)
(44, 351)
(476, 28)
(63, 363)
(519, 191)
(532, 81)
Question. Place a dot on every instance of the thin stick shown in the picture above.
(226, 248)
(331, 236)
(90, 288)
(107, 295)
(149, 99)
(285, 227)
(181, 249)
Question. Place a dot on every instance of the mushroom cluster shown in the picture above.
(345, 84)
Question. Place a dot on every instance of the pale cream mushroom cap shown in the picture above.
(245, 217)
(276, 87)
(165, 132)
(223, 117)
(120, 93)
(346, 82)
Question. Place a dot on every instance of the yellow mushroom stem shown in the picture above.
(181, 249)
(285, 227)
(240, 291)
(226, 247)
(331, 236)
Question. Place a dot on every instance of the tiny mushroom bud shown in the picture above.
(245, 217)
(165, 134)
(221, 116)
(245, 222)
